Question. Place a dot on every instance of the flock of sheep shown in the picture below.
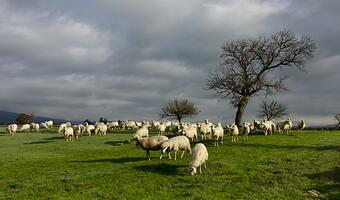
(184, 134)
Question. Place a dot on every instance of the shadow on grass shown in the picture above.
(331, 191)
(38, 142)
(273, 146)
(55, 138)
(114, 160)
(117, 143)
(162, 169)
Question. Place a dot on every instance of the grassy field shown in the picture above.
(44, 166)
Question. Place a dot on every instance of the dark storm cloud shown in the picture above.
(125, 59)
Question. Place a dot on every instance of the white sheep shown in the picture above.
(302, 125)
(268, 127)
(176, 143)
(44, 125)
(68, 133)
(142, 132)
(89, 128)
(25, 127)
(190, 132)
(61, 128)
(161, 128)
(246, 126)
(218, 133)
(36, 127)
(101, 129)
(234, 132)
(12, 129)
(150, 143)
(199, 158)
(285, 125)
(49, 124)
(205, 129)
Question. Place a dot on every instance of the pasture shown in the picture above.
(43, 166)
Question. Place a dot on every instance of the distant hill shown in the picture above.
(10, 117)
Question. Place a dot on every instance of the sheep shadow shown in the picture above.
(55, 138)
(117, 143)
(38, 142)
(333, 176)
(113, 160)
(273, 146)
(162, 169)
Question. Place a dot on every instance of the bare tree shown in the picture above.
(247, 66)
(337, 118)
(272, 110)
(178, 109)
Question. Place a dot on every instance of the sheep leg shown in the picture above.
(205, 165)
(148, 154)
(182, 154)
(169, 155)
(175, 154)
(200, 169)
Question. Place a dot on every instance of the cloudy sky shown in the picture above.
(124, 59)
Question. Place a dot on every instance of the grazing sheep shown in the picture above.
(142, 132)
(25, 127)
(44, 125)
(112, 125)
(62, 127)
(175, 144)
(199, 157)
(12, 129)
(190, 132)
(302, 125)
(101, 129)
(218, 133)
(150, 143)
(36, 127)
(234, 132)
(246, 126)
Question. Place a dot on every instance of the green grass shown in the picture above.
(44, 166)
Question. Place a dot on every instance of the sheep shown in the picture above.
(68, 133)
(161, 128)
(268, 127)
(77, 131)
(36, 127)
(285, 125)
(190, 132)
(101, 129)
(205, 129)
(176, 143)
(25, 127)
(150, 143)
(301, 125)
(218, 133)
(234, 132)
(89, 128)
(246, 126)
(62, 127)
(112, 125)
(12, 129)
(44, 125)
(49, 124)
(142, 132)
(199, 157)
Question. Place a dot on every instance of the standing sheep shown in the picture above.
(234, 132)
(12, 129)
(302, 125)
(101, 129)
(175, 144)
(68, 133)
(190, 132)
(218, 133)
(142, 132)
(150, 143)
(246, 126)
(25, 127)
(199, 157)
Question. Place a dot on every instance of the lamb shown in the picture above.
(150, 143)
(246, 126)
(199, 157)
(101, 129)
(285, 125)
(25, 127)
(268, 127)
(12, 129)
(44, 125)
(218, 133)
(161, 128)
(89, 128)
(49, 124)
(190, 132)
(62, 127)
(36, 127)
(142, 132)
(234, 132)
(77, 130)
(301, 125)
(176, 143)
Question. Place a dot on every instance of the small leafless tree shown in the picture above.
(337, 118)
(272, 110)
(247, 66)
(178, 109)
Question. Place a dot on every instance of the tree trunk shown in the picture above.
(240, 110)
